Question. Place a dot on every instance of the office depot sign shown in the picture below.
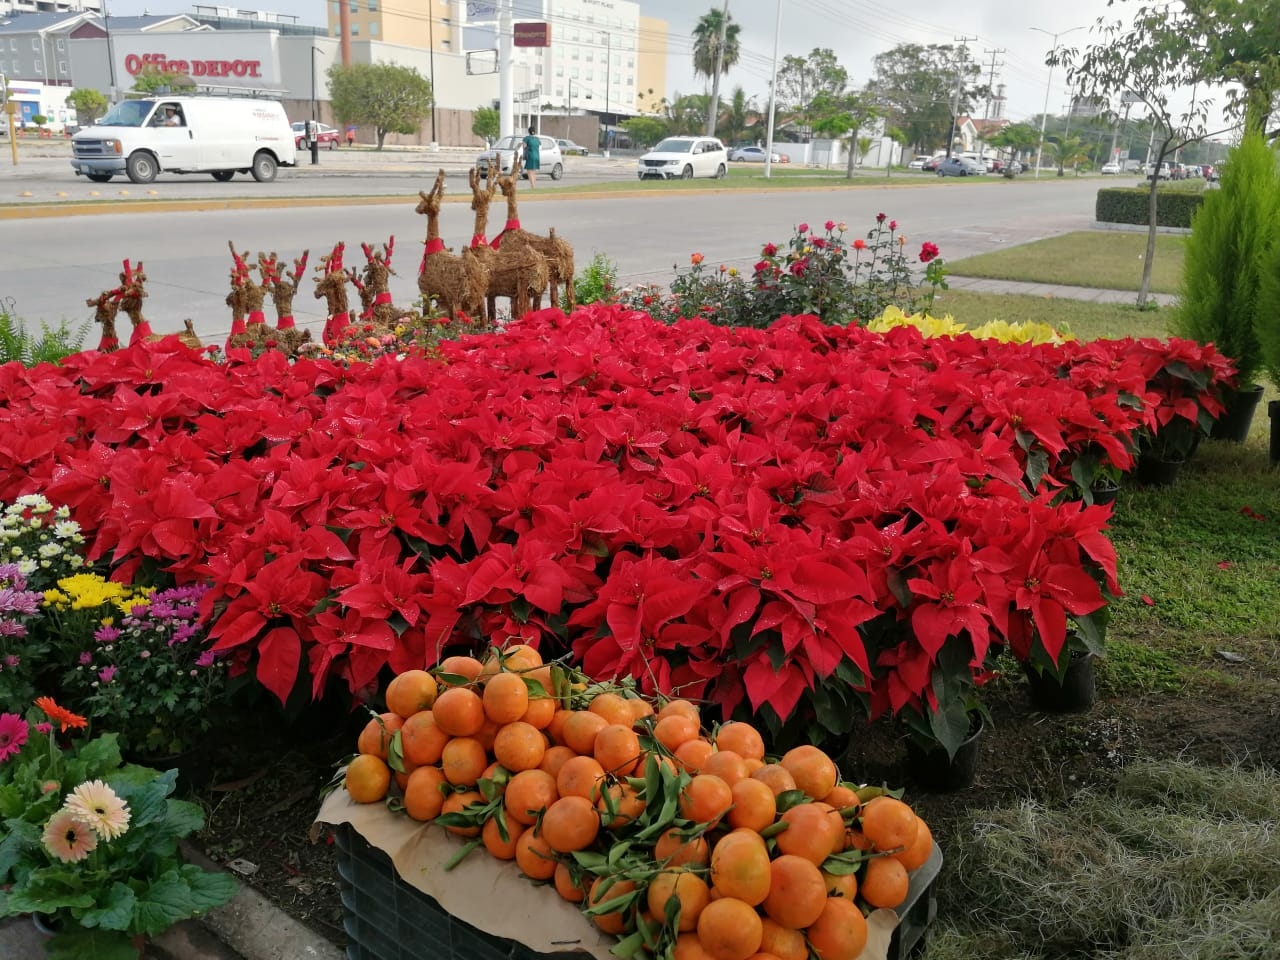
(135, 64)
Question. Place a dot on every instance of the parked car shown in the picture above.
(932, 164)
(504, 152)
(1111, 168)
(919, 162)
(685, 158)
(753, 154)
(325, 134)
(570, 149)
(960, 167)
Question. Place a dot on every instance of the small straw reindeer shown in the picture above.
(331, 286)
(377, 279)
(248, 323)
(105, 307)
(518, 273)
(559, 253)
(283, 288)
(132, 292)
(451, 281)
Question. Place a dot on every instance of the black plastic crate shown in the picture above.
(388, 919)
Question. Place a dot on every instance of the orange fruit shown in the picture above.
(740, 867)
(613, 708)
(640, 709)
(555, 729)
(534, 856)
(506, 698)
(422, 795)
(567, 887)
(674, 729)
(493, 842)
(516, 658)
(797, 892)
(519, 746)
(463, 761)
(376, 735)
(456, 803)
(741, 738)
(673, 849)
(781, 942)
(813, 771)
(692, 754)
(754, 805)
(421, 741)
(854, 840)
(812, 832)
(689, 947)
(528, 793)
(705, 799)
(368, 778)
(843, 798)
(555, 758)
(459, 712)
(579, 777)
(540, 712)
(841, 885)
(569, 824)
(616, 921)
(627, 805)
(468, 668)
(682, 707)
(580, 730)
(840, 932)
(401, 777)
(410, 692)
(682, 885)
(889, 823)
(884, 882)
(914, 856)
(617, 749)
(728, 765)
(730, 929)
(776, 777)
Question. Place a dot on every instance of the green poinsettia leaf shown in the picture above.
(114, 911)
(81, 944)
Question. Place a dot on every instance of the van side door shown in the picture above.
(173, 137)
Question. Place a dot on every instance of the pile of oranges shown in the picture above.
(684, 843)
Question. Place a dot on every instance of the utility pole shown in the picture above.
(713, 108)
(991, 83)
(961, 52)
(506, 69)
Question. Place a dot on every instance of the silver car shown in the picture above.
(960, 167)
(504, 152)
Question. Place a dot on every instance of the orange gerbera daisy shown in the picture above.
(61, 714)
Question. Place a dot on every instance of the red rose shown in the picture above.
(829, 225)
(859, 244)
(770, 249)
(880, 218)
(803, 228)
(928, 251)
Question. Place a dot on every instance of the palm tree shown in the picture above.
(706, 53)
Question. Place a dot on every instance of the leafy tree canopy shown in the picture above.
(805, 81)
(89, 104)
(486, 123)
(915, 86)
(645, 131)
(388, 97)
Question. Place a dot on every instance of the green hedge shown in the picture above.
(1129, 205)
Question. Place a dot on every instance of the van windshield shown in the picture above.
(127, 113)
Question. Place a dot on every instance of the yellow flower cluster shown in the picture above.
(88, 591)
(947, 326)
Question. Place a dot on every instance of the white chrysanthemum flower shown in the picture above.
(96, 805)
(50, 551)
(66, 529)
(63, 512)
(30, 500)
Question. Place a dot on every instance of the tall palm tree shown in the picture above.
(706, 51)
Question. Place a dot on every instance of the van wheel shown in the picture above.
(721, 171)
(222, 176)
(557, 172)
(99, 177)
(141, 167)
(264, 167)
(686, 173)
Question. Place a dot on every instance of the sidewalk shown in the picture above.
(1050, 290)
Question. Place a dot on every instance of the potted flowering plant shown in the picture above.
(92, 843)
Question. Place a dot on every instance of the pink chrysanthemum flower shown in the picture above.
(67, 838)
(96, 805)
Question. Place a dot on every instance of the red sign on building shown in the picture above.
(533, 35)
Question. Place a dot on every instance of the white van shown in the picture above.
(221, 136)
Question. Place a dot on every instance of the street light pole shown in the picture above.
(773, 97)
(431, 66)
(608, 68)
(315, 111)
(1048, 85)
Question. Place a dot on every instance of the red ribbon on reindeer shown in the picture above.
(512, 224)
(479, 240)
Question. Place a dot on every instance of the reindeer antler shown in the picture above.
(354, 277)
(300, 266)
(388, 249)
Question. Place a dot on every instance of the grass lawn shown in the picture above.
(1109, 259)
(1084, 318)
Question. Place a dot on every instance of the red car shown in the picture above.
(325, 135)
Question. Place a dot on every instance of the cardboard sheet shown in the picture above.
(494, 896)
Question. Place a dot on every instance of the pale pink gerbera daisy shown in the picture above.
(96, 805)
(67, 838)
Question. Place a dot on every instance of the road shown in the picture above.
(50, 266)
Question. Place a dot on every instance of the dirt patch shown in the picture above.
(262, 798)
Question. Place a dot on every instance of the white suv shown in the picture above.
(684, 158)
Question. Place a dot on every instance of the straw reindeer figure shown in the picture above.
(559, 253)
(105, 307)
(283, 288)
(518, 273)
(248, 323)
(132, 293)
(331, 286)
(451, 281)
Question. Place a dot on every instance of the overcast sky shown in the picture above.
(856, 30)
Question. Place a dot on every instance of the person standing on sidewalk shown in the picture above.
(351, 134)
(532, 157)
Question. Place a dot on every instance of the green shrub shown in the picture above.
(596, 284)
(1174, 208)
(20, 345)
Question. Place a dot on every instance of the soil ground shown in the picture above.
(264, 790)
